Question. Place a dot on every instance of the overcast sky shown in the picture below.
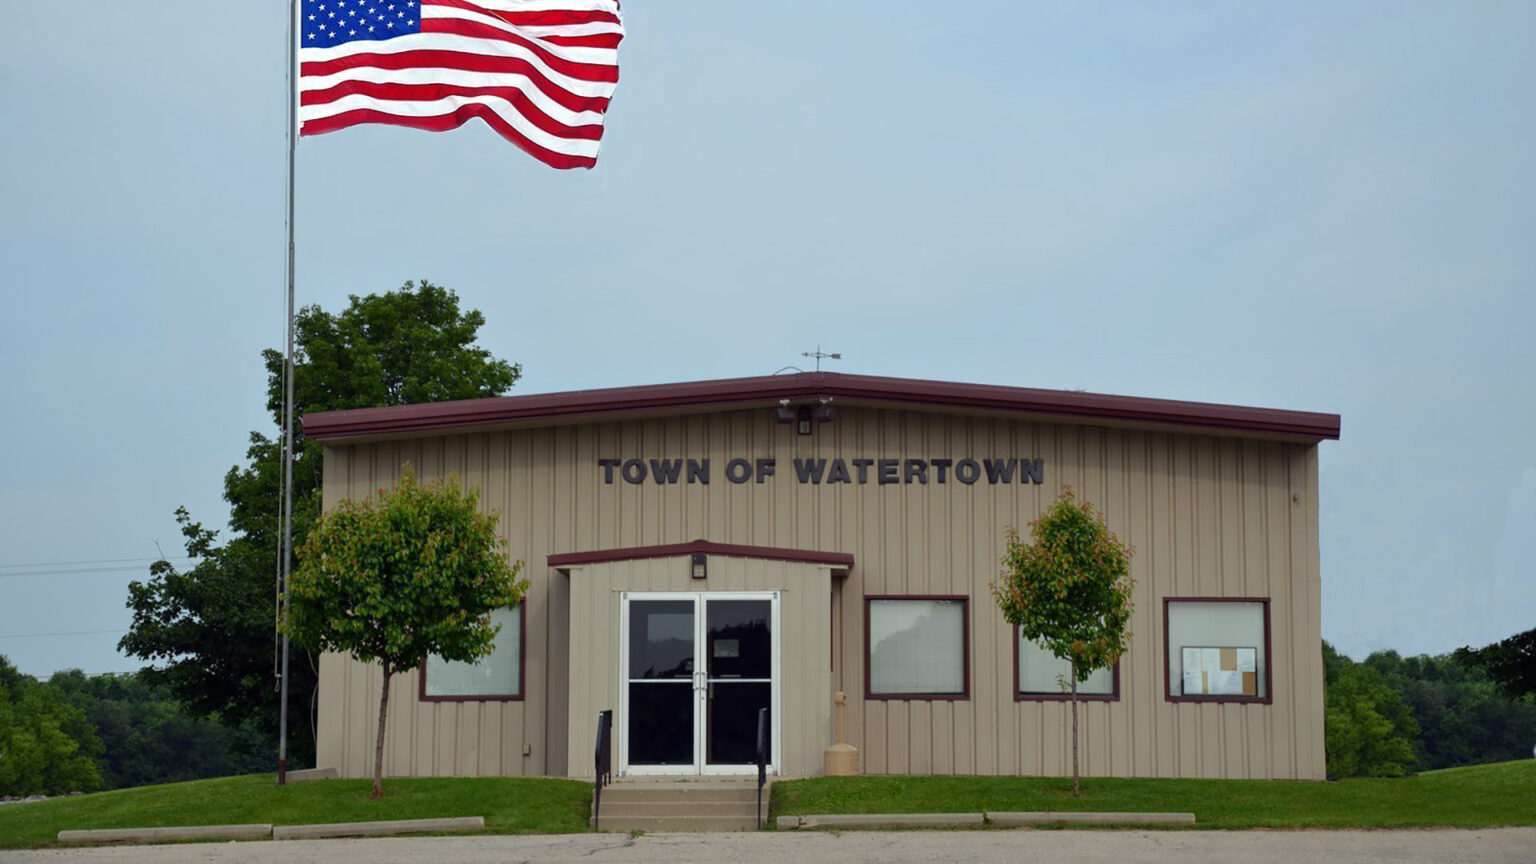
(1313, 206)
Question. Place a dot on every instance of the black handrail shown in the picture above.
(762, 761)
(602, 758)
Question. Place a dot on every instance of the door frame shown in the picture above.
(700, 766)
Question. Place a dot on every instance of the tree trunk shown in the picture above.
(378, 750)
(1076, 791)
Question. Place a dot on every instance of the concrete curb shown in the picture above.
(157, 835)
(377, 829)
(953, 820)
(307, 774)
(1107, 818)
(879, 820)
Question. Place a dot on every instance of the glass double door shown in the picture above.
(697, 667)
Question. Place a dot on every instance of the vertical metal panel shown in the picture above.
(1209, 516)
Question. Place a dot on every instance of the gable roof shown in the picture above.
(767, 391)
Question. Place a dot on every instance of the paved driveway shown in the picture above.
(1050, 847)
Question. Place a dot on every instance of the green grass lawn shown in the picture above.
(1478, 796)
(509, 805)
(1484, 795)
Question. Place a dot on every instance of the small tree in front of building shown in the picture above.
(1069, 590)
(414, 571)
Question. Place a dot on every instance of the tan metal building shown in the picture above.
(698, 551)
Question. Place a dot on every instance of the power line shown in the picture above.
(71, 633)
(77, 572)
(97, 561)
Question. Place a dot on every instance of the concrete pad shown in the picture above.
(879, 820)
(159, 835)
(377, 829)
(1107, 818)
(312, 774)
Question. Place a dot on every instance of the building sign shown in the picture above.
(816, 472)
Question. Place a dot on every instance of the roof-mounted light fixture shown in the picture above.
(783, 414)
(825, 413)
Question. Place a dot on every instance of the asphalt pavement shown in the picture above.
(1501, 845)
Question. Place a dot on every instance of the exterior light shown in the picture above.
(784, 414)
(803, 420)
(698, 569)
(825, 413)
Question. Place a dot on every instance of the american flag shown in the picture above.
(540, 72)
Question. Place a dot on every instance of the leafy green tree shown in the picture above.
(209, 628)
(1463, 717)
(392, 579)
(1510, 663)
(1070, 591)
(46, 745)
(149, 738)
(1368, 730)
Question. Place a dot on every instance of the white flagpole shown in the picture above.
(287, 505)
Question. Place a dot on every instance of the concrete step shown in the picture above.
(675, 808)
(681, 806)
(653, 824)
(680, 792)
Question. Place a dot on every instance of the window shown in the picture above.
(916, 648)
(1217, 649)
(1043, 676)
(497, 677)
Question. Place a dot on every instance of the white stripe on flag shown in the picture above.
(551, 5)
(573, 53)
(441, 107)
(457, 78)
(591, 28)
(463, 45)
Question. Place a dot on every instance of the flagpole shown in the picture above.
(287, 504)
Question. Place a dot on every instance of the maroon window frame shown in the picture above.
(1269, 655)
(965, 651)
(522, 670)
(1031, 696)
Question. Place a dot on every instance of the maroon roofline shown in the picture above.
(766, 391)
(676, 550)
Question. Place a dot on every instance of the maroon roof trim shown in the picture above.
(675, 550)
(765, 391)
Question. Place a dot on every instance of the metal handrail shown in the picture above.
(602, 758)
(762, 761)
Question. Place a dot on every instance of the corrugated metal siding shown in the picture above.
(1209, 516)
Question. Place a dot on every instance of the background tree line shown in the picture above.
(79, 733)
(1391, 715)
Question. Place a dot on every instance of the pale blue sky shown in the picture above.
(1316, 206)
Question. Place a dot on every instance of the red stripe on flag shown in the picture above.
(444, 123)
(596, 40)
(439, 59)
(539, 18)
(474, 30)
(432, 92)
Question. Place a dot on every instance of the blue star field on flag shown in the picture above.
(324, 23)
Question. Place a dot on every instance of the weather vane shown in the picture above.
(818, 355)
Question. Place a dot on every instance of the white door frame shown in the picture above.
(700, 764)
